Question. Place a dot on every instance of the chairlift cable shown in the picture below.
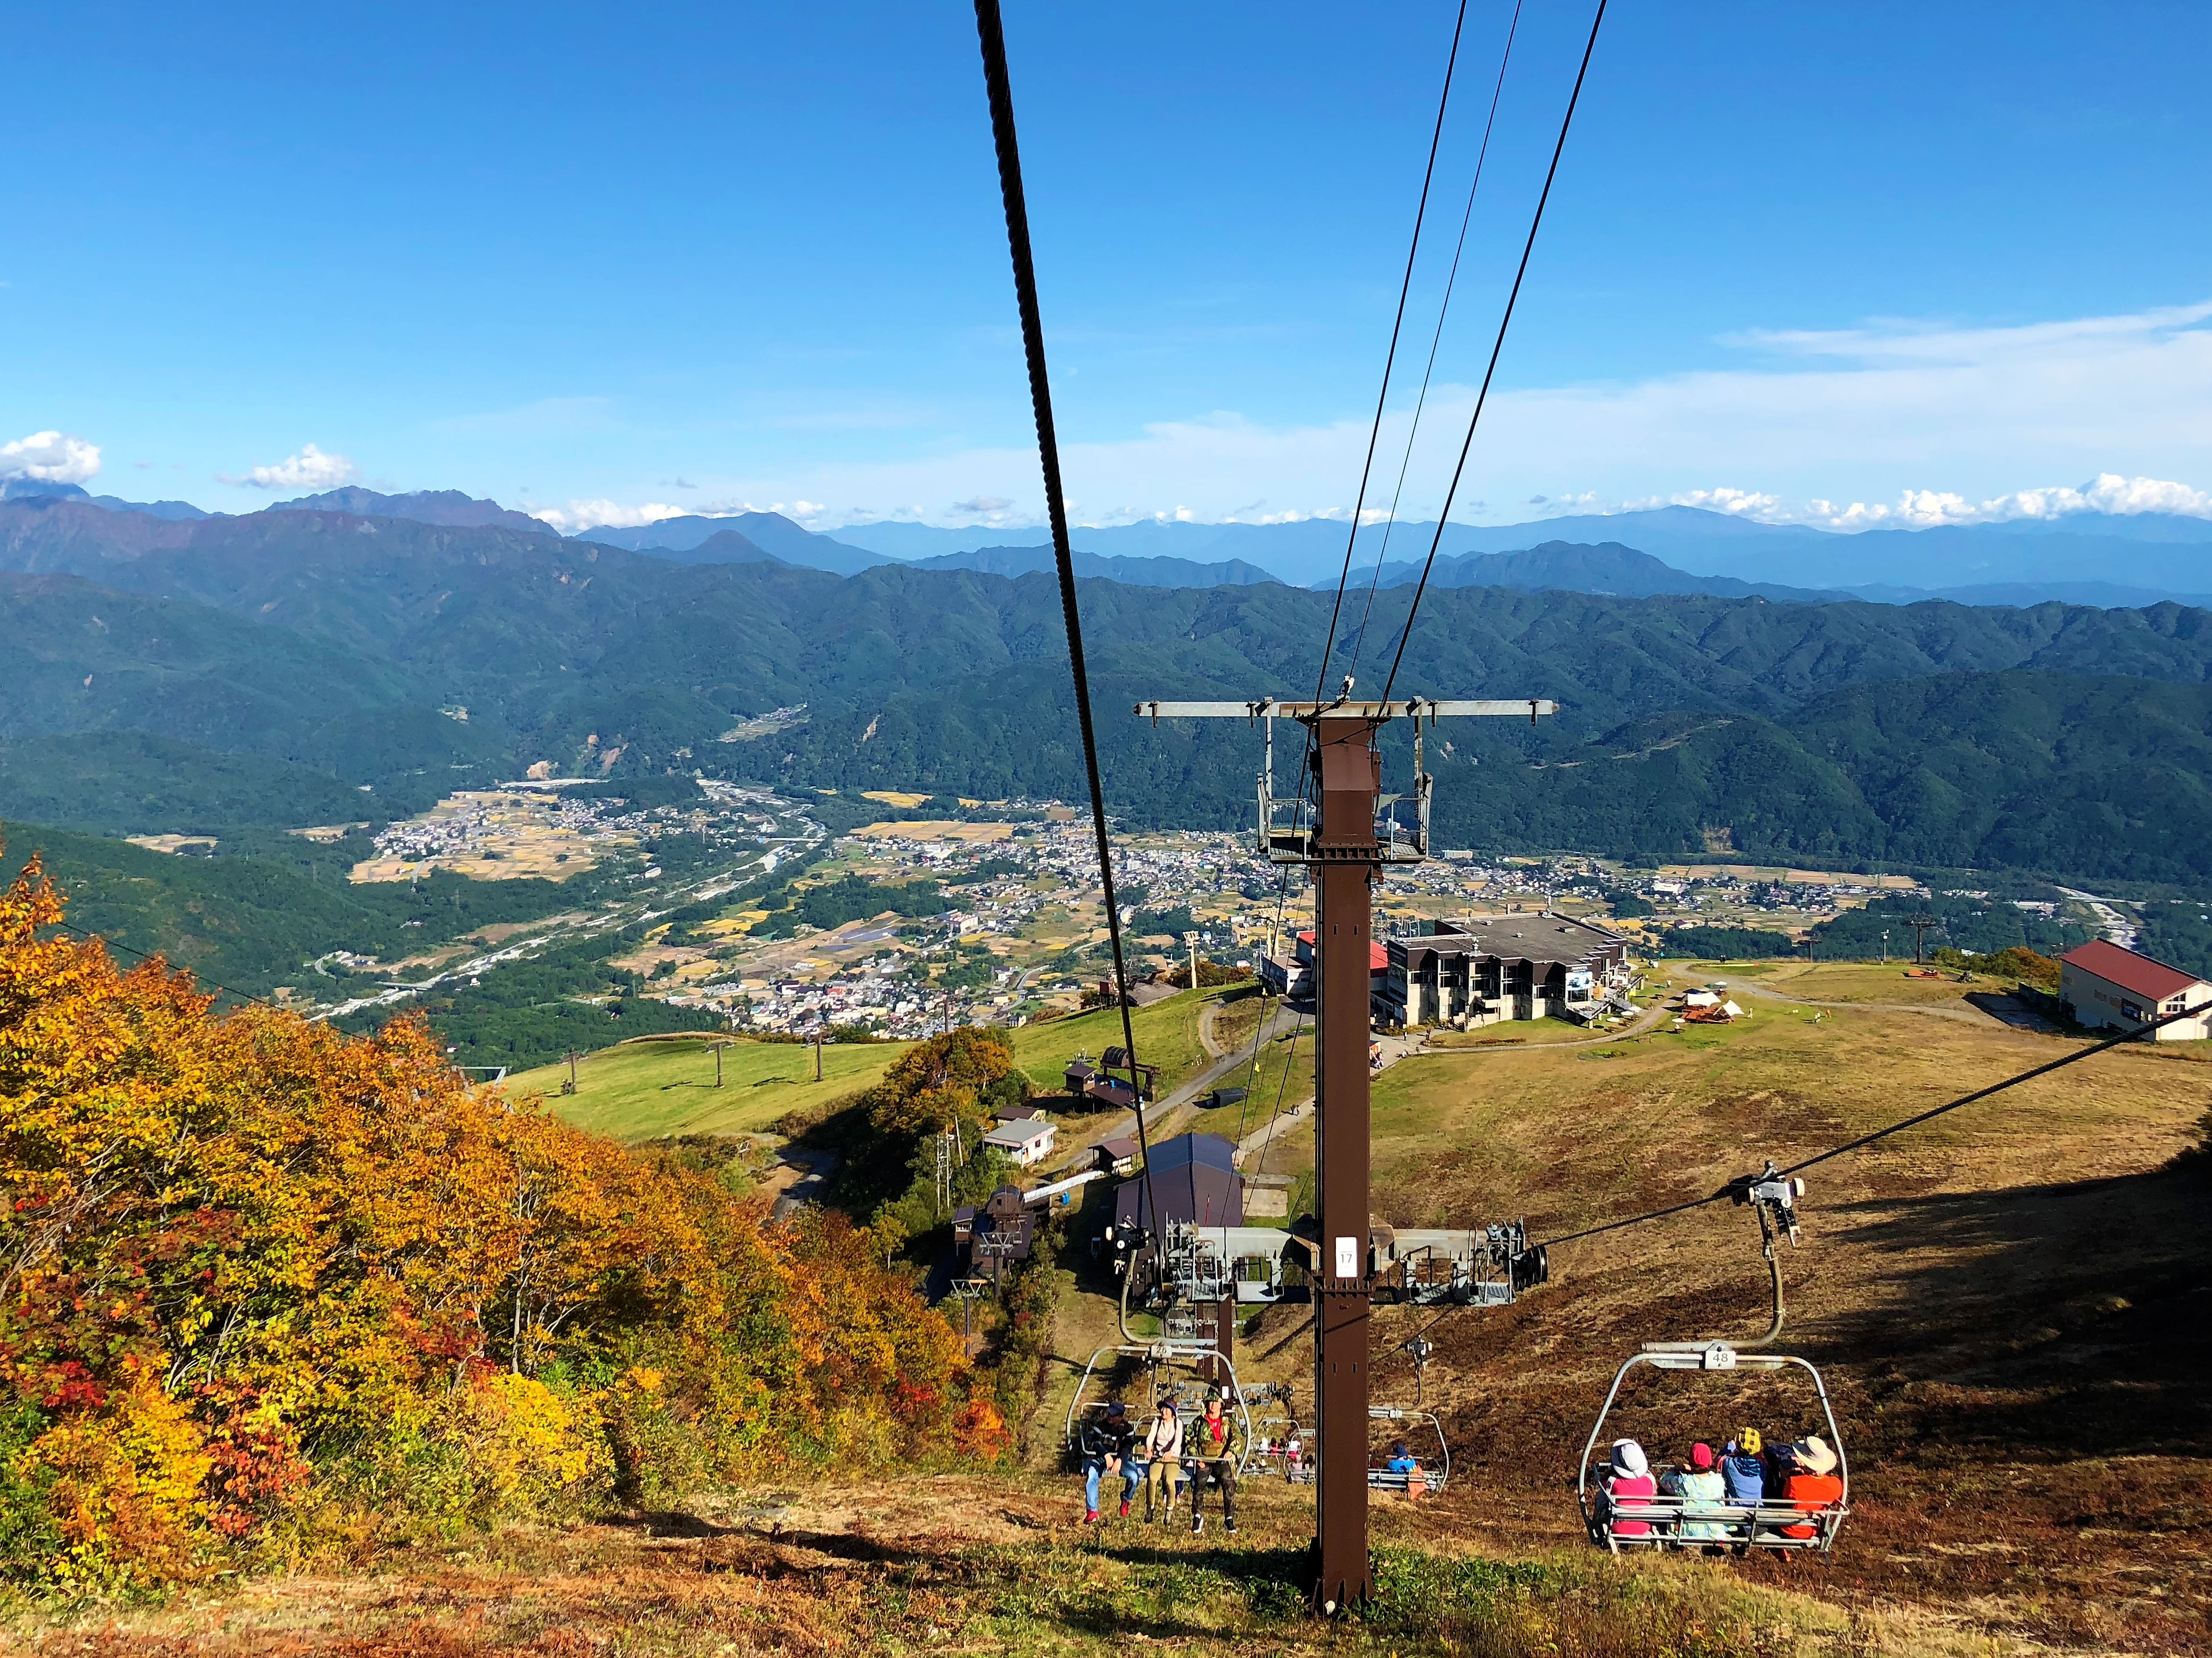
(1390, 358)
(106, 942)
(1498, 346)
(991, 35)
(1863, 1140)
(1290, 1059)
(1260, 1030)
(1726, 1192)
(1435, 340)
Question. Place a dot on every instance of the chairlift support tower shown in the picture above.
(1344, 855)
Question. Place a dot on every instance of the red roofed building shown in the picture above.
(1295, 978)
(2110, 987)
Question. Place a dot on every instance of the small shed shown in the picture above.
(1117, 1155)
(1018, 1113)
(1030, 1141)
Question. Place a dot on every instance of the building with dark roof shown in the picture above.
(2108, 986)
(1196, 1180)
(1478, 970)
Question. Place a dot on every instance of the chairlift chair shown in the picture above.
(1774, 1522)
(1181, 1382)
(1435, 1471)
(1771, 1523)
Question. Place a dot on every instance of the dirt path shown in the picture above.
(1162, 1117)
(1969, 1013)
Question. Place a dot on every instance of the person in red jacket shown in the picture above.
(1627, 1478)
(1814, 1484)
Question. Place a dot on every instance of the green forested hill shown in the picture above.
(250, 922)
(2058, 737)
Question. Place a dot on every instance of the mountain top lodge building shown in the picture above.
(1480, 970)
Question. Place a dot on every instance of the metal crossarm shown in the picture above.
(1267, 707)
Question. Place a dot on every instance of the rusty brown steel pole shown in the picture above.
(1346, 858)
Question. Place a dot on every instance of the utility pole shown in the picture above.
(1347, 859)
(1193, 937)
(1920, 923)
(719, 1047)
(571, 1088)
(817, 1056)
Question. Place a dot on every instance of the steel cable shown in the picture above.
(991, 35)
(1390, 358)
(1498, 346)
(1435, 340)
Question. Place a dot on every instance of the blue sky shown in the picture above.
(1801, 258)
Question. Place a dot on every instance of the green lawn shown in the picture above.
(1167, 1036)
(642, 1090)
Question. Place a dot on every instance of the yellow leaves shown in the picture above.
(228, 1244)
(936, 1083)
(126, 1488)
(524, 1443)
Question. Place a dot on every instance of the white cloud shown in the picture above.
(1865, 415)
(606, 514)
(1922, 509)
(310, 469)
(50, 457)
(982, 504)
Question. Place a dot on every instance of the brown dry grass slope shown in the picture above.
(2010, 1304)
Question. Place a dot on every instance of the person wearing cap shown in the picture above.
(1105, 1448)
(1814, 1484)
(1702, 1493)
(1212, 1448)
(1627, 1478)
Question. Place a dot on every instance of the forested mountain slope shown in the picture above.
(2056, 737)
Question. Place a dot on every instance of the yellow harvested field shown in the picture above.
(170, 843)
(935, 828)
(490, 834)
(1776, 873)
(732, 927)
(904, 800)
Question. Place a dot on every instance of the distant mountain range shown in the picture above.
(271, 666)
(770, 533)
(2101, 559)
(40, 488)
(446, 506)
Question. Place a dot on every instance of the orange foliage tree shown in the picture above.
(243, 1258)
(937, 1084)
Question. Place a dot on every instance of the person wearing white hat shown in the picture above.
(1628, 1479)
(1813, 1482)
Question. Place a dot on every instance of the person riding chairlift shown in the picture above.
(1163, 1447)
(1211, 1446)
(1814, 1484)
(1703, 1492)
(1627, 1477)
(1107, 1447)
(1743, 1469)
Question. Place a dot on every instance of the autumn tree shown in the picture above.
(234, 1249)
(936, 1084)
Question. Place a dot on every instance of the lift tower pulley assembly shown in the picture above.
(1346, 853)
